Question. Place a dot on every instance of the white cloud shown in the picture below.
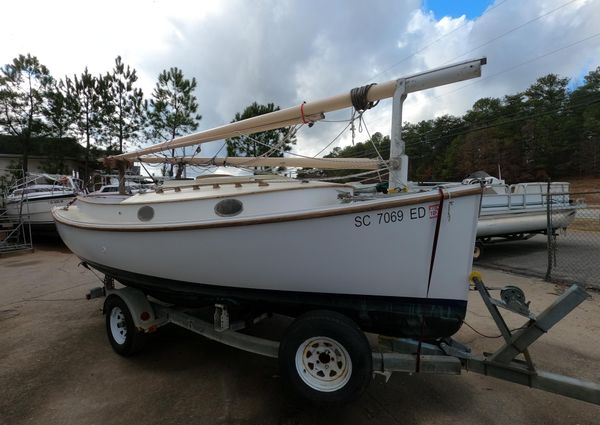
(289, 51)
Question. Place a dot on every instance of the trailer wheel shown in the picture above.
(124, 338)
(477, 251)
(325, 358)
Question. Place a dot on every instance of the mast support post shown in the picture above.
(398, 165)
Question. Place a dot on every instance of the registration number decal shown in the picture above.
(390, 217)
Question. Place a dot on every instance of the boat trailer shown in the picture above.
(130, 315)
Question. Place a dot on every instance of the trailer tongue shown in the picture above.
(451, 357)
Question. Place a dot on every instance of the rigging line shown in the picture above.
(365, 173)
(334, 139)
(518, 27)
(435, 41)
(512, 68)
(280, 144)
(277, 146)
(371, 138)
(362, 120)
(263, 155)
(311, 157)
(147, 172)
(334, 121)
(196, 151)
(220, 149)
(384, 175)
(216, 154)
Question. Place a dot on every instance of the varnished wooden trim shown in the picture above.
(355, 209)
(262, 190)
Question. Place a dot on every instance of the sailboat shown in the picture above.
(397, 264)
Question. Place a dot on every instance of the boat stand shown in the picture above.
(450, 357)
(444, 356)
(15, 231)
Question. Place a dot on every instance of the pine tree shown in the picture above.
(23, 84)
(56, 112)
(272, 142)
(173, 109)
(124, 105)
(85, 100)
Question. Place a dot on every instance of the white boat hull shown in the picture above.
(37, 212)
(32, 198)
(314, 255)
(522, 222)
(522, 208)
(378, 250)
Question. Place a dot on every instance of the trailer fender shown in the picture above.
(143, 314)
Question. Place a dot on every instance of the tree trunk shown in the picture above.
(26, 144)
(171, 165)
(120, 139)
(87, 157)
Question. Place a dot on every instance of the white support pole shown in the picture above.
(398, 164)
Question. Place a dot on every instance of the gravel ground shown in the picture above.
(56, 366)
(577, 257)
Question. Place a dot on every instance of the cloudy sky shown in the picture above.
(289, 51)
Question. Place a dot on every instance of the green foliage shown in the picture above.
(56, 112)
(124, 105)
(55, 151)
(10, 175)
(23, 84)
(42, 146)
(272, 142)
(86, 95)
(173, 109)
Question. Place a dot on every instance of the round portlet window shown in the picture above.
(228, 207)
(146, 213)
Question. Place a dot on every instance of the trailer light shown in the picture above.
(145, 316)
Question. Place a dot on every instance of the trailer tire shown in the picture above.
(324, 357)
(477, 251)
(122, 334)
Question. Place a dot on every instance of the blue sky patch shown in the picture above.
(456, 8)
(578, 80)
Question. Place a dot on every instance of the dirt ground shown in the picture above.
(581, 188)
(57, 367)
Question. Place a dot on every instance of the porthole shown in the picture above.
(228, 207)
(145, 213)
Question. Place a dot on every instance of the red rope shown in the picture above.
(302, 113)
(435, 237)
(433, 250)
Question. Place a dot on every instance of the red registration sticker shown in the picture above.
(433, 210)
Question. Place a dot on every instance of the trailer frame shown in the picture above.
(396, 355)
